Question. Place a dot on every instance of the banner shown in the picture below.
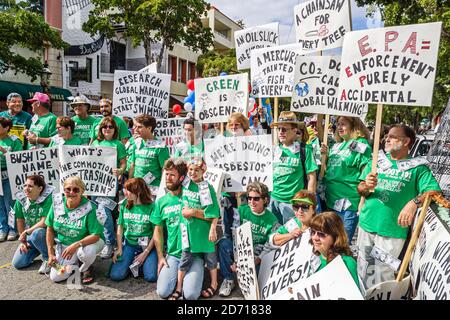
(215, 177)
(170, 131)
(245, 159)
(389, 290)
(216, 98)
(245, 262)
(21, 164)
(93, 165)
(321, 24)
(395, 65)
(137, 93)
(284, 266)
(254, 38)
(316, 87)
(272, 70)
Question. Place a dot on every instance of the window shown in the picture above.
(117, 56)
(98, 67)
(173, 67)
(182, 70)
(191, 71)
(73, 67)
(88, 69)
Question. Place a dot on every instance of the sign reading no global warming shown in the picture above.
(395, 65)
(254, 38)
(138, 93)
(321, 24)
(217, 98)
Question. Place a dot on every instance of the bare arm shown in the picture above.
(312, 182)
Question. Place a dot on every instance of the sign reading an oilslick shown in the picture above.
(321, 24)
(395, 65)
(254, 38)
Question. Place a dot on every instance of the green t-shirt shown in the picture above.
(11, 144)
(288, 171)
(136, 222)
(394, 189)
(129, 147)
(188, 151)
(344, 166)
(36, 210)
(350, 263)
(284, 230)
(121, 152)
(75, 141)
(83, 128)
(69, 232)
(167, 213)
(198, 229)
(43, 127)
(315, 144)
(149, 159)
(262, 226)
(122, 125)
(21, 119)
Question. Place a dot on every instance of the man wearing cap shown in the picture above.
(21, 119)
(43, 123)
(83, 121)
(292, 162)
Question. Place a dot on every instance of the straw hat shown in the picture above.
(80, 101)
(286, 117)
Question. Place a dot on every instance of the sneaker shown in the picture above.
(12, 236)
(107, 251)
(3, 236)
(45, 268)
(226, 288)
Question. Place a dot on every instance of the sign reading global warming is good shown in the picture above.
(273, 70)
(138, 93)
(245, 262)
(321, 24)
(395, 65)
(316, 88)
(93, 165)
(245, 159)
(170, 131)
(254, 38)
(216, 98)
(21, 164)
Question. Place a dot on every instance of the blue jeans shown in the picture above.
(193, 280)
(120, 269)
(226, 257)
(38, 246)
(6, 203)
(108, 231)
(282, 210)
(228, 217)
(350, 219)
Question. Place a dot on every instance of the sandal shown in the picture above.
(209, 292)
(177, 295)
(86, 277)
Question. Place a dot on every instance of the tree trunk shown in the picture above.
(160, 57)
(148, 51)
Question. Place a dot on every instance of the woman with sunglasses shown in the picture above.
(108, 137)
(329, 240)
(72, 224)
(304, 204)
(65, 127)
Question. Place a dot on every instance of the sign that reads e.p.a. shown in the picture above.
(395, 65)
(254, 38)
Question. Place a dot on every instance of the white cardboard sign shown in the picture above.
(245, 262)
(170, 131)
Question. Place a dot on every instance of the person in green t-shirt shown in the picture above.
(21, 119)
(65, 127)
(83, 121)
(263, 223)
(192, 146)
(73, 224)
(167, 215)
(345, 162)
(137, 251)
(400, 187)
(30, 210)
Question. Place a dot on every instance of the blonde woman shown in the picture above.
(238, 125)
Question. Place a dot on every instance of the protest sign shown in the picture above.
(93, 165)
(138, 93)
(245, 159)
(245, 262)
(272, 70)
(395, 65)
(17, 130)
(216, 98)
(170, 131)
(334, 282)
(282, 267)
(254, 38)
(151, 68)
(389, 290)
(321, 24)
(215, 178)
(316, 84)
(21, 164)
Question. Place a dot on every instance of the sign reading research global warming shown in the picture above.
(138, 93)
(216, 98)
(254, 38)
(316, 88)
(395, 65)
(321, 24)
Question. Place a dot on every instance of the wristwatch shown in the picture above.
(417, 202)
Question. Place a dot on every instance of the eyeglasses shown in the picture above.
(320, 234)
(253, 198)
(74, 190)
(108, 127)
(304, 207)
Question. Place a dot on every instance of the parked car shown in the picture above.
(422, 144)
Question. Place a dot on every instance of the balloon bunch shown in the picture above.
(189, 101)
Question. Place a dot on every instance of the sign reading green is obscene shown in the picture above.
(216, 98)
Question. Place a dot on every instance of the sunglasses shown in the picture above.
(282, 129)
(108, 127)
(253, 198)
(320, 234)
(304, 207)
(74, 190)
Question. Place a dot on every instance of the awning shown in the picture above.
(27, 91)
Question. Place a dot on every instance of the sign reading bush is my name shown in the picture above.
(138, 93)
(21, 164)
(395, 65)
(316, 88)
(245, 262)
(254, 38)
(93, 165)
(245, 159)
(216, 98)
(170, 131)
(321, 24)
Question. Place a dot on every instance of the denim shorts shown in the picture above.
(188, 257)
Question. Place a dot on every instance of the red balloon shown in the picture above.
(176, 108)
(249, 88)
(190, 85)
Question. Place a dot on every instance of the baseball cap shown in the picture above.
(41, 97)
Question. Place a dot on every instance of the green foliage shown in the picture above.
(26, 29)
(212, 63)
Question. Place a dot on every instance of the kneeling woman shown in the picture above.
(72, 223)
(134, 224)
